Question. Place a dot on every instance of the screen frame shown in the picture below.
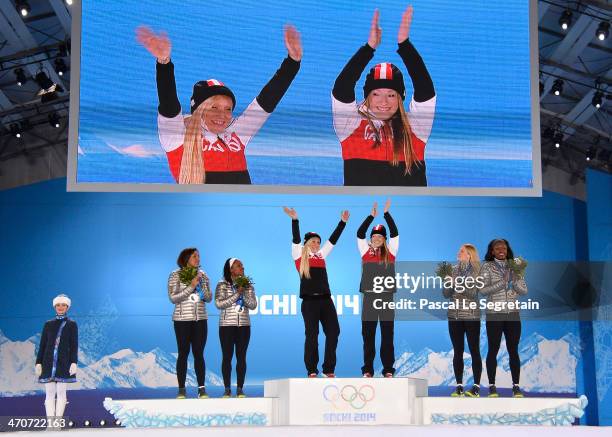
(73, 134)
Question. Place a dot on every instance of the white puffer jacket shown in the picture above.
(496, 287)
(187, 305)
(225, 299)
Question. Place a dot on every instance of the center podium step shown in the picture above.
(344, 401)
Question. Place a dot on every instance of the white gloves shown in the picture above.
(72, 370)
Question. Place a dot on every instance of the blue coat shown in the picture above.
(57, 356)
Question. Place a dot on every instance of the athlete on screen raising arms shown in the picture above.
(209, 146)
(382, 143)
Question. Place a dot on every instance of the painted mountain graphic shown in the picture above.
(546, 365)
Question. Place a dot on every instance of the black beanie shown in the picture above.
(204, 89)
(309, 235)
(385, 75)
(380, 230)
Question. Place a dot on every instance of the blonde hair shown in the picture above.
(474, 258)
(384, 252)
(305, 263)
(398, 129)
(192, 164)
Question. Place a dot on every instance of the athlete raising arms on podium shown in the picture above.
(209, 146)
(377, 260)
(317, 305)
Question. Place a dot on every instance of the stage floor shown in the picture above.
(353, 431)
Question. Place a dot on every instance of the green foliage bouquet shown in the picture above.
(243, 281)
(187, 274)
(517, 266)
(444, 269)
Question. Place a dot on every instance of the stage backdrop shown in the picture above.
(477, 53)
(112, 253)
(600, 249)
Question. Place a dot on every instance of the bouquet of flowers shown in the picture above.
(187, 273)
(444, 269)
(243, 281)
(517, 266)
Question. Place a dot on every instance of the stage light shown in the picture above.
(43, 80)
(48, 89)
(54, 120)
(69, 2)
(71, 424)
(118, 422)
(87, 423)
(60, 66)
(557, 87)
(16, 130)
(558, 139)
(23, 7)
(566, 19)
(102, 422)
(603, 30)
(590, 154)
(21, 77)
(597, 99)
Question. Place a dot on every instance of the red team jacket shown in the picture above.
(357, 138)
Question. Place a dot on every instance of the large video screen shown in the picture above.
(433, 97)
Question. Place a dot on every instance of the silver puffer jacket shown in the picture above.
(186, 307)
(496, 287)
(466, 301)
(225, 300)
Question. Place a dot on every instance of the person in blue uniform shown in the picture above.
(56, 361)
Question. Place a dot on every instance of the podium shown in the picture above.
(347, 401)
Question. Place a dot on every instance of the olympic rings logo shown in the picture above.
(349, 395)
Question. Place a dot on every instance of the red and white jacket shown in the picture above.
(372, 261)
(224, 154)
(357, 138)
(318, 284)
(372, 255)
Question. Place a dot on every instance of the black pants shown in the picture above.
(228, 177)
(370, 316)
(190, 334)
(359, 172)
(315, 311)
(458, 329)
(511, 329)
(234, 337)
